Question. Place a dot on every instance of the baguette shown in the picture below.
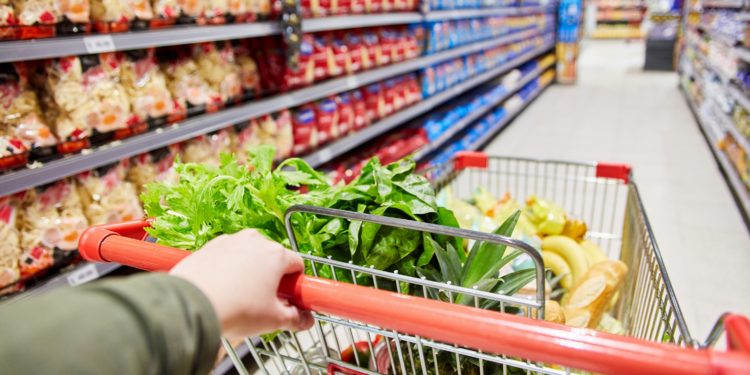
(592, 294)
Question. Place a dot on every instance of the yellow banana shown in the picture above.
(571, 251)
(594, 253)
(559, 267)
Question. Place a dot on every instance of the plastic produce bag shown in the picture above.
(52, 220)
(150, 99)
(107, 197)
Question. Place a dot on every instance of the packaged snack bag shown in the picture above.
(217, 66)
(107, 197)
(374, 102)
(146, 85)
(342, 61)
(21, 117)
(358, 56)
(360, 110)
(374, 55)
(346, 113)
(191, 92)
(86, 97)
(327, 120)
(10, 247)
(208, 148)
(154, 166)
(322, 55)
(305, 130)
(51, 222)
(249, 71)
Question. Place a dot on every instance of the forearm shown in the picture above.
(145, 324)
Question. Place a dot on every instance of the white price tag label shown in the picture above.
(83, 275)
(99, 43)
(351, 82)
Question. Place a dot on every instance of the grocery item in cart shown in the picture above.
(21, 117)
(118, 15)
(190, 90)
(208, 148)
(217, 67)
(86, 98)
(154, 166)
(50, 225)
(107, 197)
(10, 247)
(146, 86)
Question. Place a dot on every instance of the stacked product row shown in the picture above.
(618, 19)
(715, 75)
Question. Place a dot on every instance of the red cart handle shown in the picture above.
(485, 330)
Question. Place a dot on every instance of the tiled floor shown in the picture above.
(619, 113)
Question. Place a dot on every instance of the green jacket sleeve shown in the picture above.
(144, 324)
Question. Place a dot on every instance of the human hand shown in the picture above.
(240, 274)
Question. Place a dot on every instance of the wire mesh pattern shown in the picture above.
(614, 214)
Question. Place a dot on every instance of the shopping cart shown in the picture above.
(378, 329)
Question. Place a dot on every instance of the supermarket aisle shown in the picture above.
(619, 113)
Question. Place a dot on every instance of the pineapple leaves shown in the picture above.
(484, 259)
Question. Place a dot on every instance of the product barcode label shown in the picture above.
(83, 275)
(99, 43)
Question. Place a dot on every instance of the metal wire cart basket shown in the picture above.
(378, 329)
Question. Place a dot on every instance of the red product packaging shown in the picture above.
(373, 6)
(413, 92)
(327, 116)
(356, 6)
(359, 107)
(346, 113)
(320, 55)
(341, 55)
(374, 55)
(374, 102)
(304, 130)
(357, 52)
(390, 90)
(387, 46)
(10, 249)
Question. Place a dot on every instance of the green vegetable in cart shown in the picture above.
(208, 201)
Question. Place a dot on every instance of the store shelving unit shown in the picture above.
(477, 114)
(618, 19)
(712, 114)
(39, 174)
(24, 179)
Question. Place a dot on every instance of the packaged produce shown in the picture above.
(190, 90)
(327, 120)
(86, 97)
(107, 197)
(21, 117)
(51, 222)
(249, 71)
(146, 86)
(217, 67)
(154, 166)
(266, 130)
(118, 15)
(208, 148)
(10, 246)
(304, 125)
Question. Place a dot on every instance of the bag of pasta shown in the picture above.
(186, 11)
(190, 91)
(44, 18)
(120, 15)
(51, 222)
(208, 148)
(107, 197)
(20, 113)
(86, 97)
(249, 76)
(154, 166)
(8, 21)
(146, 86)
(273, 129)
(10, 247)
(217, 66)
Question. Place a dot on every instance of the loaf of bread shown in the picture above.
(591, 295)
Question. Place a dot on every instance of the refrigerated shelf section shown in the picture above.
(22, 50)
(52, 171)
(477, 114)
